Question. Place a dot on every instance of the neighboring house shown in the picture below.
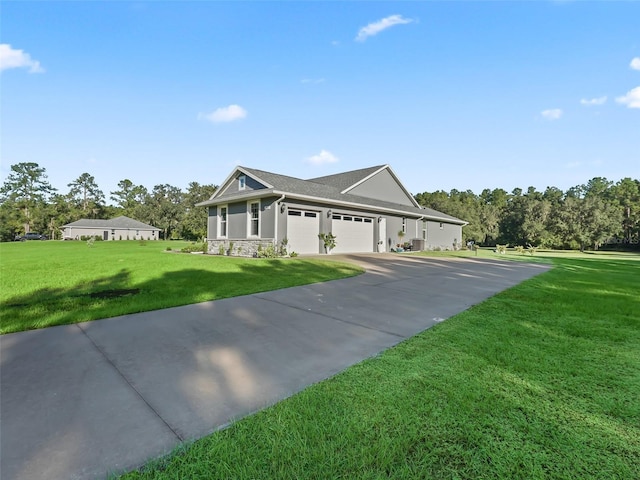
(365, 209)
(119, 228)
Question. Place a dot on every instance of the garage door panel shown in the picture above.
(353, 234)
(302, 231)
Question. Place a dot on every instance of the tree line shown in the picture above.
(28, 202)
(585, 216)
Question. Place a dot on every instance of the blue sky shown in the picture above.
(464, 95)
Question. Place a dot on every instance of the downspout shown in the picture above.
(275, 223)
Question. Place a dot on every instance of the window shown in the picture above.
(254, 219)
(404, 225)
(310, 214)
(222, 222)
(347, 219)
(367, 220)
(242, 182)
(337, 217)
(357, 219)
(424, 229)
(441, 226)
(295, 213)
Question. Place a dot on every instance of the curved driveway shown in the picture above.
(81, 401)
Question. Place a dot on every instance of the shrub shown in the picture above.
(194, 247)
(329, 240)
(283, 247)
(221, 249)
(519, 249)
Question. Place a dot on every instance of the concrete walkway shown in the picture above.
(85, 400)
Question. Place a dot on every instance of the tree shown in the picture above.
(627, 193)
(589, 221)
(129, 196)
(194, 223)
(26, 188)
(85, 192)
(162, 208)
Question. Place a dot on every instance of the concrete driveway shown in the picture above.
(85, 400)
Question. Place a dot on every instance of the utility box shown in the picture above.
(417, 244)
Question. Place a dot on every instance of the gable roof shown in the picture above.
(326, 190)
(121, 222)
(347, 180)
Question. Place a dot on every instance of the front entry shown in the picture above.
(382, 235)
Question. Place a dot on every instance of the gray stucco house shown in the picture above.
(119, 228)
(365, 209)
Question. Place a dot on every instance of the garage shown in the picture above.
(353, 233)
(303, 227)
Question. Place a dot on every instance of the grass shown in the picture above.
(54, 283)
(540, 381)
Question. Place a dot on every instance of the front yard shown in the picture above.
(54, 283)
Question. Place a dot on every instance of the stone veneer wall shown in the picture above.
(241, 248)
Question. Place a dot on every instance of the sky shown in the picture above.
(452, 95)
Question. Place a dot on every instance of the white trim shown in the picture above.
(276, 205)
(250, 219)
(327, 201)
(242, 182)
(228, 181)
(219, 220)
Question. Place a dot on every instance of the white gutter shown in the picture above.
(357, 206)
(277, 212)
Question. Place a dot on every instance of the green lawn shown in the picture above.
(541, 381)
(54, 283)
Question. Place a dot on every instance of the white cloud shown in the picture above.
(552, 114)
(312, 80)
(224, 114)
(322, 158)
(593, 101)
(12, 58)
(376, 27)
(635, 63)
(631, 99)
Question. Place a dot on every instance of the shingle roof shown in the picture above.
(342, 181)
(318, 188)
(118, 222)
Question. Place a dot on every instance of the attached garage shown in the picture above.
(353, 233)
(303, 227)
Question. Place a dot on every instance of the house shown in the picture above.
(119, 228)
(365, 209)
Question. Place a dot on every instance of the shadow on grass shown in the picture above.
(120, 294)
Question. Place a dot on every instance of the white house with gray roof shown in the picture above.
(365, 209)
(119, 228)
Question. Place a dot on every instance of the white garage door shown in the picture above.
(353, 233)
(302, 231)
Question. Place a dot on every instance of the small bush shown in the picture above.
(519, 249)
(268, 252)
(221, 249)
(194, 247)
